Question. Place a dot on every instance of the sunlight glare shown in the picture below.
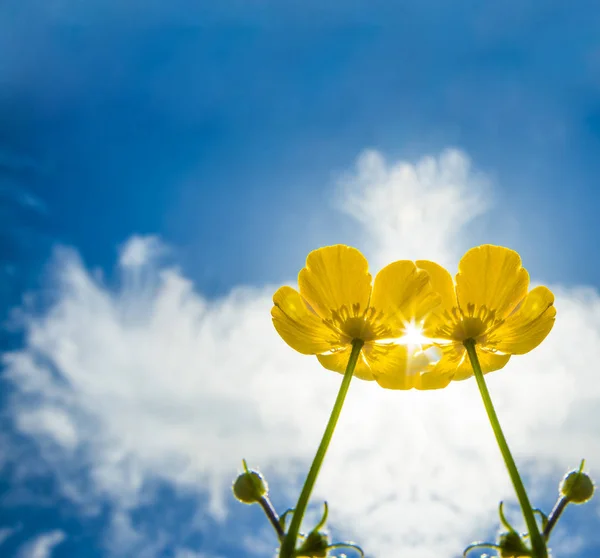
(413, 335)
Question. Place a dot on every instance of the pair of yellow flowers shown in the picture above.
(488, 301)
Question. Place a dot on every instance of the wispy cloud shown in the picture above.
(42, 546)
(153, 381)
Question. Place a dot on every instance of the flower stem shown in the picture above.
(556, 512)
(271, 514)
(537, 542)
(288, 546)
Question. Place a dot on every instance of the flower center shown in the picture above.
(475, 323)
(366, 325)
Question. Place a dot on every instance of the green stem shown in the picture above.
(537, 542)
(288, 546)
(556, 512)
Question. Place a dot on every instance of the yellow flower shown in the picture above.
(489, 303)
(337, 303)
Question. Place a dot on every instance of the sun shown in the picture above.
(413, 335)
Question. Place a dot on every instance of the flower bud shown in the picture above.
(250, 487)
(577, 487)
(511, 545)
(315, 545)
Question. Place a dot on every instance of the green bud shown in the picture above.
(315, 545)
(511, 545)
(577, 487)
(250, 487)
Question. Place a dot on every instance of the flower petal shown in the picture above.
(338, 360)
(336, 276)
(427, 380)
(455, 361)
(404, 295)
(491, 276)
(442, 283)
(299, 327)
(526, 328)
(396, 366)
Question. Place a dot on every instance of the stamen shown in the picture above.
(354, 324)
(476, 322)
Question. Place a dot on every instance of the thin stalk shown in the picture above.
(537, 542)
(556, 512)
(289, 542)
(271, 514)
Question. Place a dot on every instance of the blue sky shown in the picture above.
(227, 134)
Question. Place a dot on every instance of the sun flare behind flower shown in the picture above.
(414, 335)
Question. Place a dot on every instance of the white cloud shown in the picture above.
(42, 546)
(157, 382)
(52, 421)
(139, 251)
(414, 211)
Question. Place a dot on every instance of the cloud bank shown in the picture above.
(150, 381)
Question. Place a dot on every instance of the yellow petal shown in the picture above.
(404, 295)
(528, 326)
(442, 283)
(491, 276)
(395, 366)
(432, 381)
(335, 277)
(299, 327)
(338, 361)
(455, 361)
